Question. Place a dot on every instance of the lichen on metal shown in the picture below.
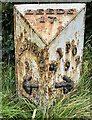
(48, 48)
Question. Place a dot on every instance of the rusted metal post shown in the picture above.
(48, 48)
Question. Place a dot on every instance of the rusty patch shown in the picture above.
(60, 27)
(35, 59)
(77, 60)
(77, 42)
(47, 24)
(76, 35)
(73, 42)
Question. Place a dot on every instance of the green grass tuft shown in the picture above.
(75, 105)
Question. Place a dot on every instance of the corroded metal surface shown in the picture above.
(48, 50)
(51, 18)
(49, 24)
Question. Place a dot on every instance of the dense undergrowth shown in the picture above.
(76, 104)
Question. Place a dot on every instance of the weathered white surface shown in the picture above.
(68, 34)
(73, 32)
(47, 31)
(24, 7)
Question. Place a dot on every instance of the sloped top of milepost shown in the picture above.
(48, 20)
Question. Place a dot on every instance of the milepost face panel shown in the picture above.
(48, 48)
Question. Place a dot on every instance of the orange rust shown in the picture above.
(76, 35)
(77, 60)
(77, 42)
(46, 78)
(73, 41)
(60, 28)
(46, 29)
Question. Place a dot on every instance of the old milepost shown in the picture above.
(48, 49)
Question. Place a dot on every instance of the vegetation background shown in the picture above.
(76, 105)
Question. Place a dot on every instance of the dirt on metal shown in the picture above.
(46, 29)
(46, 51)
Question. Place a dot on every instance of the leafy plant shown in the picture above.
(7, 32)
(88, 23)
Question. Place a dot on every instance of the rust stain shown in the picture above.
(76, 35)
(77, 42)
(77, 60)
(60, 27)
(73, 41)
(31, 60)
(47, 24)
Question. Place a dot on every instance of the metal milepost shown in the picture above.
(48, 49)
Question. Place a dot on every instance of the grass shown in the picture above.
(76, 105)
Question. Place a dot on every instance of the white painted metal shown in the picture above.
(26, 33)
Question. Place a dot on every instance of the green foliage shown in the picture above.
(88, 24)
(75, 105)
(8, 78)
(7, 32)
(13, 108)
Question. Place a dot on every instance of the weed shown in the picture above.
(74, 105)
